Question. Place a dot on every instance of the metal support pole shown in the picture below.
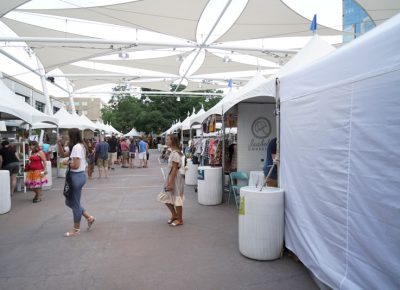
(278, 125)
(28, 67)
(72, 40)
(71, 100)
(49, 107)
(223, 153)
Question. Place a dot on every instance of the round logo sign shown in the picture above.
(261, 128)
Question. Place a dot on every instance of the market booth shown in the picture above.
(252, 110)
(340, 162)
(12, 107)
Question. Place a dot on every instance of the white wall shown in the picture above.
(254, 133)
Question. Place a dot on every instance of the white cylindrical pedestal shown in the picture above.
(49, 177)
(209, 180)
(5, 198)
(191, 173)
(261, 222)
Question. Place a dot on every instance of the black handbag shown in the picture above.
(68, 183)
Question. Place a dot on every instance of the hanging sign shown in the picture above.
(260, 129)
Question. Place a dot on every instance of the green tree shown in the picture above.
(125, 111)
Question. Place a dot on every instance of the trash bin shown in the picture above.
(261, 222)
(49, 177)
(209, 185)
(191, 173)
(5, 198)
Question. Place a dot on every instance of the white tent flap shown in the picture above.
(340, 163)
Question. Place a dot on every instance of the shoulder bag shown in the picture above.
(68, 183)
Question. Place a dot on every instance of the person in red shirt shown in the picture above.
(35, 177)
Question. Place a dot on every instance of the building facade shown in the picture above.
(31, 96)
(91, 107)
(355, 20)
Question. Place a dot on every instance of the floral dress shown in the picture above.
(34, 177)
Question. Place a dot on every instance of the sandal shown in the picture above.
(176, 223)
(171, 220)
(90, 222)
(72, 233)
(36, 200)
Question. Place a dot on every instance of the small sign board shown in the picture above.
(200, 174)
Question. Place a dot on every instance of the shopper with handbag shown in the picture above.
(77, 163)
(174, 195)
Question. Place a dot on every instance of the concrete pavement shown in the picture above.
(131, 246)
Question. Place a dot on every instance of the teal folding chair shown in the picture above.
(236, 181)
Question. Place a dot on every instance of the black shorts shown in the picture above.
(147, 156)
(13, 167)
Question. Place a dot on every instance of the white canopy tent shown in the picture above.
(262, 87)
(111, 129)
(87, 121)
(340, 162)
(133, 133)
(68, 121)
(13, 107)
(103, 127)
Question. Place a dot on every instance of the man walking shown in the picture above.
(142, 153)
(112, 150)
(101, 150)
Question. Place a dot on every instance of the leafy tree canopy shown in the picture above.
(150, 113)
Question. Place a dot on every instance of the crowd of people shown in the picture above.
(81, 157)
(108, 152)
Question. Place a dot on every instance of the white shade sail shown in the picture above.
(7, 6)
(173, 19)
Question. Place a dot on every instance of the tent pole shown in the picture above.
(28, 68)
(278, 125)
(57, 155)
(71, 101)
(135, 43)
(223, 152)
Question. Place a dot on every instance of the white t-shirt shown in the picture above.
(79, 151)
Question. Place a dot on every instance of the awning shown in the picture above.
(12, 107)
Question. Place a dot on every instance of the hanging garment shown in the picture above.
(212, 124)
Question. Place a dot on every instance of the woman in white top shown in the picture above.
(78, 165)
